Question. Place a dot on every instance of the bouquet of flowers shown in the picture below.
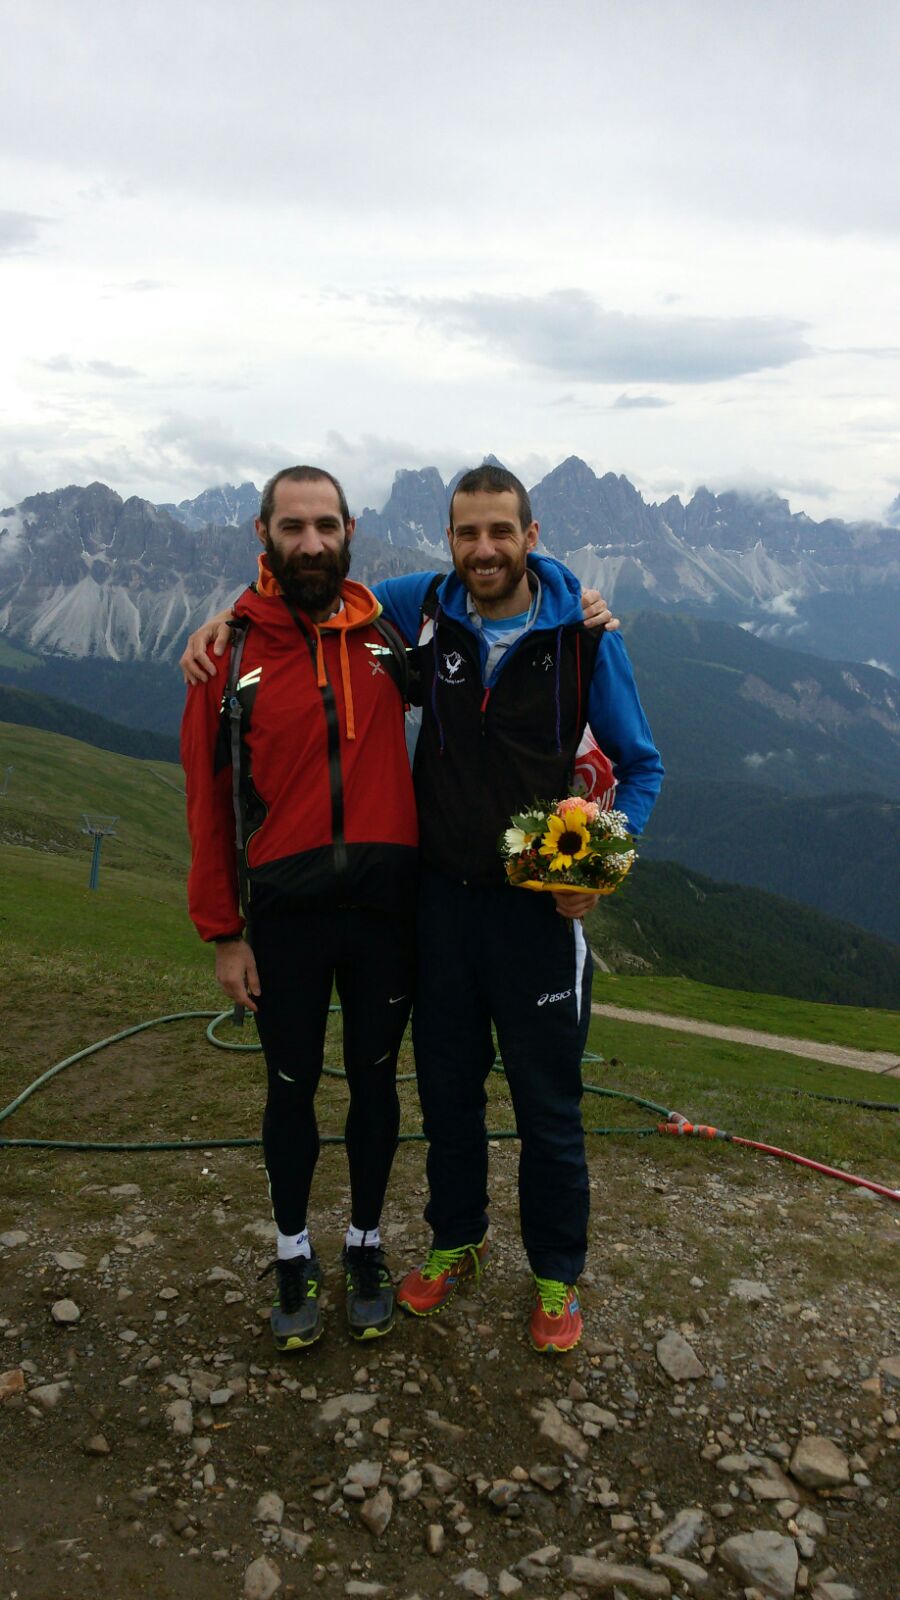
(568, 844)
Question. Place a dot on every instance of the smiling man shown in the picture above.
(510, 678)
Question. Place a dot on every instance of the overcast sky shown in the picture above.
(662, 235)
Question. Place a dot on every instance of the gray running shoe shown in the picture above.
(370, 1293)
(296, 1318)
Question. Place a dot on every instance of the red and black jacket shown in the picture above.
(331, 816)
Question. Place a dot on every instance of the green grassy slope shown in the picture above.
(31, 710)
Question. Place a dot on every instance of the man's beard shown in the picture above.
(311, 583)
(494, 591)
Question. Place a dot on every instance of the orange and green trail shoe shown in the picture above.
(556, 1322)
(296, 1317)
(428, 1288)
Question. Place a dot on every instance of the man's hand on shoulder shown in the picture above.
(596, 612)
(196, 665)
(236, 972)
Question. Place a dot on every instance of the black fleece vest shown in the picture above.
(484, 754)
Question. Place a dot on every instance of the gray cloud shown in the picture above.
(19, 232)
(639, 402)
(94, 368)
(570, 334)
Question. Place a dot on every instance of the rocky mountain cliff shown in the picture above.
(83, 572)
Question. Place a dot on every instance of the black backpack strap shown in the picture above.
(237, 710)
(430, 602)
(399, 656)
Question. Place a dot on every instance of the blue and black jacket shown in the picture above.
(489, 748)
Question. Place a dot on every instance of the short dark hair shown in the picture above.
(495, 480)
(299, 475)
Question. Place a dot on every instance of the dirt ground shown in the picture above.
(779, 1282)
(880, 1061)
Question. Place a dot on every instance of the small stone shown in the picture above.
(834, 1591)
(748, 1289)
(473, 1582)
(434, 1539)
(409, 1485)
(180, 1417)
(97, 1445)
(168, 1293)
(65, 1311)
(817, 1463)
(47, 1395)
(508, 1584)
(296, 1543)
(361, 1589)
(546, 1477)
(11, 1382)
(269, 1508)
(12, 1238)
(220, 1397)
(366, 1473)
(811, 1522)
(677, 1358)
(767, 1559)
(377, 1512)
(889, 1368)
(69, 1260)
(441, 1480)
(346, 1405)
(559, 1432)
(606, 1576)
(684, 1532)
(690, 1573)
(261, 1579)
(771, 1483)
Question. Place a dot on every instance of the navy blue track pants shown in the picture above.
(369, 957)
(505, 956)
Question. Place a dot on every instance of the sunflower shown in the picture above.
(567, 840)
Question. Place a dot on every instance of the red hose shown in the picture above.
(817, 1166)
(700, 1130)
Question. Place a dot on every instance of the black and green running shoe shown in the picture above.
(370, 1293)
(296, 1318)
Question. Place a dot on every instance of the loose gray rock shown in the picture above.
(97, 1445)
(696, 1578)
(889, 1369)
(261, 1579)
(365, 1473)
(770, 1483)
(409, 1485)
(47, 1395)
(65, 1311)
(269, 1508)
(360, 1588)
(606, 1576)
(296, 1543)
(748, 1289)
(441, 1480)
(825, 1590)
(12, 1238)
(69, 1260)
(377, 1512)
(220, 1397)
(473, 1582)
(685, 1531)
(678, 1359)
(346, 1405)
(559, 1432)
(508, 1584)
(767, 1559)
(434, 1539)
(180, 1416)
(811, 1522)
(817, 1463)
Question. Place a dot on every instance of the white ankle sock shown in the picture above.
(291, 1245)
(355, 1237)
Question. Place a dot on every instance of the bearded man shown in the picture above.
(327, 851)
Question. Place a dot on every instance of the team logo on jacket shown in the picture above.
(377, 651)
(452, 661)
(545, 661)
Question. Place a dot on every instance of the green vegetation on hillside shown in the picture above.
(672, 921)
(32, 710)
(854, 1026)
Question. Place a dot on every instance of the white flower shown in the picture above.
(515, 841)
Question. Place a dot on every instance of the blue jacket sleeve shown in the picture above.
(402, 599)
(616, 719)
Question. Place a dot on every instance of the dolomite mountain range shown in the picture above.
(85, 573)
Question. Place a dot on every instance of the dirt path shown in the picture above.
(840, 1055)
